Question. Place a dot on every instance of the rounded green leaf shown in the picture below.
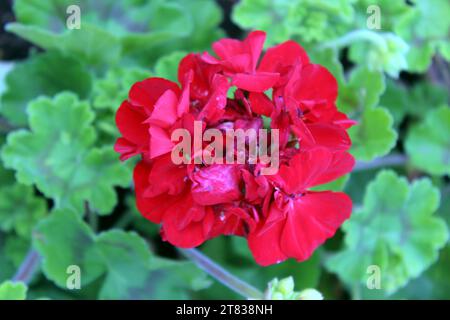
(109, 92)
(374, 135)
(395, 230)
(42, 74)
(20, 209)
(425, 27)
(167, 66)
(121, 260)
(428, 144)
(362, 91)
(309, 21)
(64, 240)
(57, 155)
(13, 291)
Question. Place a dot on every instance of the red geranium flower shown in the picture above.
(195, 201)
(299, 220)
(239, 60)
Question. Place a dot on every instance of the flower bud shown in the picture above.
(309, 294)
(284, 290)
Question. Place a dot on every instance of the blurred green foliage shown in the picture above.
(64, 194)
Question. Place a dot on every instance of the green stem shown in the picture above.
(390, 160)
(124, 221)
(5, 126)
(222, 275)
(356, 292)
(28, 267)
(354, 36)
(91, 217)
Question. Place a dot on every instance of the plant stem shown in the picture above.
(390, 160)
(222, 275)
(28, 267)
(5, 126)
(124, 221)
(442, 66)
(91, 216)
(357, 35)
(356, 292)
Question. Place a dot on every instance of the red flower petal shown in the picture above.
(160, 142)
(282, 57)
(312, 82)
(165, 110)
(265, 246)
(202, 75)
(310, 168)
(216, 184)
(183, 226)
(130, 122)
(260, 104)
(166, 177)
(214, 108)
(151, 208)
(257, 82)
(145, 93)
(255, 43)
(315, 218)
(330, 136)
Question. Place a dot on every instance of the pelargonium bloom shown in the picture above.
(279, 214)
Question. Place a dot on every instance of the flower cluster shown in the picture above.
(278, 214)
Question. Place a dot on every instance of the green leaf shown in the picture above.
(419, 58)
(20, 209)
(383, 52)
(171, 279)
(264, 15)
(444, 49)
(16, 249)
(416, 101)
(373, 136)
(126, 258)
(64, 240)
(204, 31)
(5, 68)
(167, 66)
(395, 99)
(42, 74)
(57, 155)
(428, 144)
(307, 21)
(425, 96)
(425, 27)
(362, 91)
(108, 29)
(394, 230)
(391, 11)
(13, 291)
(7, 269)
(121, 260)
(109, 92)
(435, 282)
(90, 44)
(168, 21)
